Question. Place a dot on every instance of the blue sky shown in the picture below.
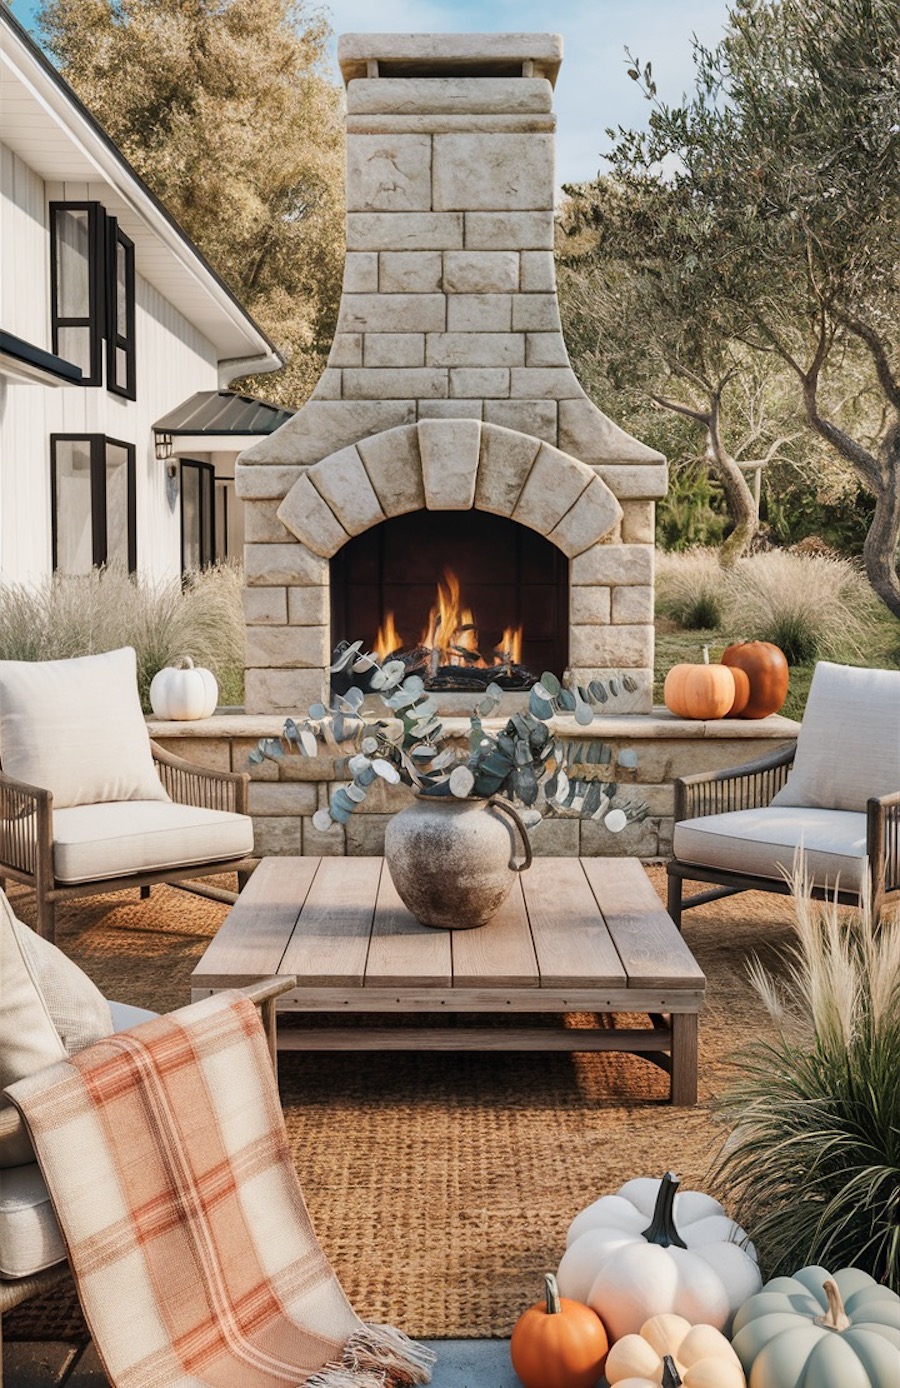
(593, 90)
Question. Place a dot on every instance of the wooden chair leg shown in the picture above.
(46, 913)
(243, 878)
(673, 898)
(145, 893)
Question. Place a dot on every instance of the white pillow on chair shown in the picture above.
(75, 727)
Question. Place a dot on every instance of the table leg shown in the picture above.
(684, 1058)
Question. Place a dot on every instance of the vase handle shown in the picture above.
(507, 808)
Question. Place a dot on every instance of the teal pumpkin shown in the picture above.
(820, 1330)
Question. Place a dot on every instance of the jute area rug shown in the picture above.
(441, 1185)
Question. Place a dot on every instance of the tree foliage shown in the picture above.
(769, 202)
(222, 107)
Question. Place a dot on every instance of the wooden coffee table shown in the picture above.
(575, 935)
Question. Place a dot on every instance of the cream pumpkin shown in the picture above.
(702, 1356)
(183, 692)
(646, 1251)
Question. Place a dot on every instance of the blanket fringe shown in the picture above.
(375, 1357)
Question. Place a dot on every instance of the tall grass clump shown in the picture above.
(812, 606)
(690, 588)
(812, 1166)
(72, 615)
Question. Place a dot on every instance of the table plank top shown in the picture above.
(339, 922)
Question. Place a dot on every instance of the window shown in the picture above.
(92, 294)
(93, 513)
(198, 515)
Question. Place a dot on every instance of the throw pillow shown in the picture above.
(848, 748)
(49, 1009)
(75, 727)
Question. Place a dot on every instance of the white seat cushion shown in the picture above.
(762, 843)
(29, 1234)
(94, 842)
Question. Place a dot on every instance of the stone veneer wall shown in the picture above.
(448, 385)
(284, 796)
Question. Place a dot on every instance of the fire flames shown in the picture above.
(450, 635)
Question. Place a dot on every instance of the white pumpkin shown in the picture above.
(184, 692)
(646, 1251)
(700, 1354)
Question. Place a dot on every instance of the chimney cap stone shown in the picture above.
(450, 55)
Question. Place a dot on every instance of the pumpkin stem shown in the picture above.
(661, 1229)
(551, 1294)
(835, 1318)
(706, 655)
(185, 662)
(671, 1377)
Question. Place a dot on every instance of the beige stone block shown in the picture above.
(554, 483)
(639, 701)
(622, 646)
(590, 606)
(283, 798)
(285, 647)
(311, 519)
(537, 417)
(377, 383)
(214, 754)
(449, 449)
(411, 231)
(478, 382)
(481, 272)
(479, 313)
(365, 833)
(638, 521)
(277, 837)
(640, 480)
(263, 771)
(439, 95)
(452, 124)
(410, 272)
(321, 427)
(638, 840)
(265, 606)
(308, 607)
(466, 51)
(386, 313)
(450, 409)
(554, 838)
(506, 460)
(274, 566)
(594, 514)
(545, 349)
(536, 313)
(394, 466)
(537, 272)
(388, 173)
(261, 523)
(346, 350)
(361, 272)
(537, 382)
(660, 800)
(328, 386)
(316, 770)
(255, 482)
(343, 483)
(395, 349)
(475, 349)
(382, 799)
(509, 231)
(632, 604)
(490, 172)
(283, 691)
(592, 436)
(613, 564)
(330, 843)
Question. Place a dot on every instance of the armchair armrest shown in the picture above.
(196, 785)
(736, 788)
(883, 845)
(26, 817)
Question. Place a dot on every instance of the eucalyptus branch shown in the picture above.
(888, 381)
(699, 416)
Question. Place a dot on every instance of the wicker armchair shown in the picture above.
(28, 844)
(700, 798)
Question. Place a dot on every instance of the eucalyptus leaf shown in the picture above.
(597, 691)
(525, 784)
(614, 688)
(461, 782)
(538, 705)
(592, 799)
(337, 726)
(362, 665)
(551, 684)
(342, 799)
(271, 747)
(366, 776)
(602, 806)
(356, 792)
(345, 657)
(562, 788)
(386, 770)
(567, 700)
(318, 711)
(494, 691)
(255, 757)
(358, 763)
(615, 821)
(552, 785)
(424, 752)
(627, 757)
(308, 742)
(369, 745)
(485, 707)
(322, 821)
(584, 714)
(414, 684)
(629, 683)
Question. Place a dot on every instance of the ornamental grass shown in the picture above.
(812, 1165)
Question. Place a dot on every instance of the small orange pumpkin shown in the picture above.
(558, 1343)
(767, 670)
(699, 691)
(741, 691)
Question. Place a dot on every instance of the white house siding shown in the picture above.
(24, 248)
(173, 360)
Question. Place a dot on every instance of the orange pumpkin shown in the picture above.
(558, 1343)
(741, 691)
(699, 691)
(767, 670)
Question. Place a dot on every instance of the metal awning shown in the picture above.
(222, 412)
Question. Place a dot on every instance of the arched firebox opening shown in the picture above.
(503, 615)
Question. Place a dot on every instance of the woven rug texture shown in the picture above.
(441, 1185)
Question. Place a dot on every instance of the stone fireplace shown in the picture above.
(448, 431)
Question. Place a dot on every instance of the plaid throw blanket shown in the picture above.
(166, 1157)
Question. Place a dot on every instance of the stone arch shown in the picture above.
(450, 465)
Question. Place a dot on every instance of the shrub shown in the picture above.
(813, 1164)
(689, 589)
(72, 615)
